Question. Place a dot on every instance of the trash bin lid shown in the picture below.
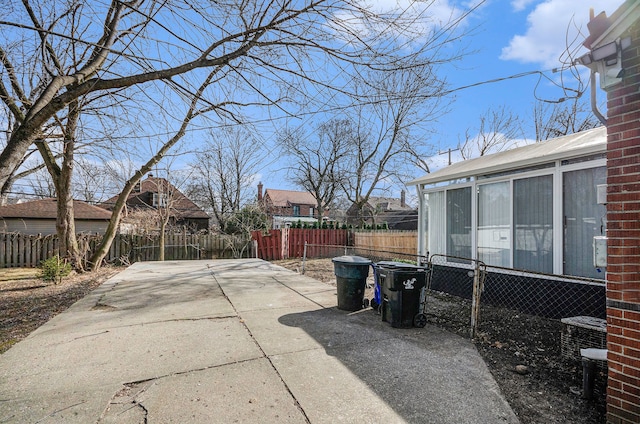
(356, 260)
(397, 265)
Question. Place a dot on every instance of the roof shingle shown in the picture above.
(286, 197)
(47, 209)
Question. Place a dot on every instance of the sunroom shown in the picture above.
(535, 208)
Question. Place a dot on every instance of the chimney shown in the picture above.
(260, 191)
(402, 199)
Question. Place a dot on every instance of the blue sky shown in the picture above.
(510, 37)
(515, 37)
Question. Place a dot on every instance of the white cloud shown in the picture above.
(414, 18)
(550, 26)
(520, 5)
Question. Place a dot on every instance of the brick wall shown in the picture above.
(305, 211)
(623, 231)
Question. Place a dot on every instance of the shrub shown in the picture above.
(55, 269)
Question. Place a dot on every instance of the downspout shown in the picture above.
(594, 105)
(421, 222)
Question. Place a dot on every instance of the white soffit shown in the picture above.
(628, 14)
(579, 144)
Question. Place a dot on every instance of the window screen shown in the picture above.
(533, 224)
(494, 223)
(459, 222)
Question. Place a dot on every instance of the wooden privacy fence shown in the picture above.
(289, 242)
(23, 250)
(390, 241)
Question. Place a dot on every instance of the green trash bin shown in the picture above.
(351, 276)
(401, 287)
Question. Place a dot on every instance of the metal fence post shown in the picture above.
(475, 300)
(304, 256)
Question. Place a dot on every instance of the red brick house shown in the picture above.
(614, 44)
(285, 207)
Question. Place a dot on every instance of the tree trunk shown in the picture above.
(66, 230)
(65, 222)
(320, 211)
(110, 233)
(161, 239)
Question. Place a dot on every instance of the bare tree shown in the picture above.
(92, 182)
(164, 202)
(157, 216)
(193, 112)
(246, 41)
(58, 57)
(319, 159)
(553, 120)
(389, 132)
(223, 172)
(497, 130)
(41, 185)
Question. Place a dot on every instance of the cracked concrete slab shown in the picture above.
(131, 353)
(237, 340)
(329, 392)
(247, 392)
(331, 328)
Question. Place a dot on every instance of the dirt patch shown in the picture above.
(27, 302)
(521, 351)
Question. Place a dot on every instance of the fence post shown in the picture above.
(304, 256)
(475, 300)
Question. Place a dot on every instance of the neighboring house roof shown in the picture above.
(584, 143)
(400, 219)
(387, 204)
(47, 209)
(289, 197)
(181, 204)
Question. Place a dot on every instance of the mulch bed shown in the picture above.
(28, 302)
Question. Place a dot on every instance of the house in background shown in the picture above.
(39, 217)
(154, 193)
(286, 207)
(380, 210)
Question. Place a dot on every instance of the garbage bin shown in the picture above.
(401, 288)
(351, 275)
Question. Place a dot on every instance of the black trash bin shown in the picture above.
(401, 288)
(351, 275)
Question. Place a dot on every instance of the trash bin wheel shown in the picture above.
(420, 320)
(365, 302)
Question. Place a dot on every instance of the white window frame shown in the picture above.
(557, 171)
(159, 200)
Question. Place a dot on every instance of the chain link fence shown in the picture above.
(515, 318)
(467, 296)
(482, 293)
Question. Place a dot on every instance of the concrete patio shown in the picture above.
(245, 341)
